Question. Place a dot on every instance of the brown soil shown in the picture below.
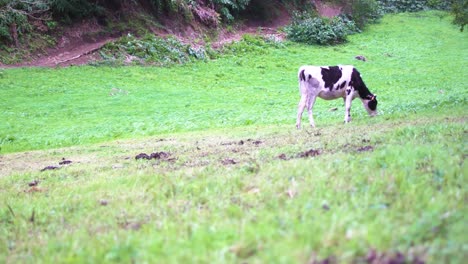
(80, 43)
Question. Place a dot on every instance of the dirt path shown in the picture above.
(77, 54)
(74, 49)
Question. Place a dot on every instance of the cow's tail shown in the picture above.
(302, 76)
(302, 81)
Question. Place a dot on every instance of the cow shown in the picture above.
(332, 82)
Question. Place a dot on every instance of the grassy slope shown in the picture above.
(406, 194)
(44, 108)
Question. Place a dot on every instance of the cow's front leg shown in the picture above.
(348, 99)
(300, 109)
(310, 106)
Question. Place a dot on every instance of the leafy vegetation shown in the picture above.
(413, 5)
(150, 50)
(460, 11)
(320, 30)
(84, 103)
(238, 183)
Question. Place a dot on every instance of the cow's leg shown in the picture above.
(300, 109)
(310, 106)
(348, 100)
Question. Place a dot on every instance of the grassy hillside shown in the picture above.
(411, 68)
(234, 181)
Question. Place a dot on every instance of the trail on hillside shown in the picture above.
(76, 47)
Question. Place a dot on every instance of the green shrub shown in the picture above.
(460, 11)
(252, 44)
(318, 30)
(393, 6)
(363, 12)
(151, 49)
(69, 10)
(14, 15)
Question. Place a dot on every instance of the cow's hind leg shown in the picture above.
(300, 109)
(310, 106)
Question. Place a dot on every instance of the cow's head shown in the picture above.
(370, 103)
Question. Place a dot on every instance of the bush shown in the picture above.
(14, 20)
(248, 44)
(393, 6)
(318, 30)
(363, 12)
(460, 11)
(151, 49)
(69, 10)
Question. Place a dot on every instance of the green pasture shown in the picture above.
(415, 63)
(240, 184)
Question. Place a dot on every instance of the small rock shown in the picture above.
(33, 183)
(360, 57)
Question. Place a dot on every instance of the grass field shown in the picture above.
(234, 180)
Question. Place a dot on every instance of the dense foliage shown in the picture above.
(412, 5)
(20, 18)
(313, 29)
(151, 49)
(320, 30)
(460, 11)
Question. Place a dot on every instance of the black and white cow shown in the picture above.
(332, 82)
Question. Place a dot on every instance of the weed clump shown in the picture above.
(308, 29)
(151, 50)
(252, 44)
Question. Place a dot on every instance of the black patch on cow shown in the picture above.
(302, 76)
(358, 84)
(343, 84)
(331, 75)
(372, 104)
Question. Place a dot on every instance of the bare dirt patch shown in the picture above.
(228, 161)
(50, 168)
(365, 148)
(156, 155)
(309, 153)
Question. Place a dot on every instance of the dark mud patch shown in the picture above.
(61, 163)
(35, 189)
(103, 202)
(243, 142)
(50, 168)
(228, 161)
(156, 155)
(365, 148)
(33, 183)
(309, 153)
(375, 257)
(65, 162)
(305, 154)
(130, 225)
